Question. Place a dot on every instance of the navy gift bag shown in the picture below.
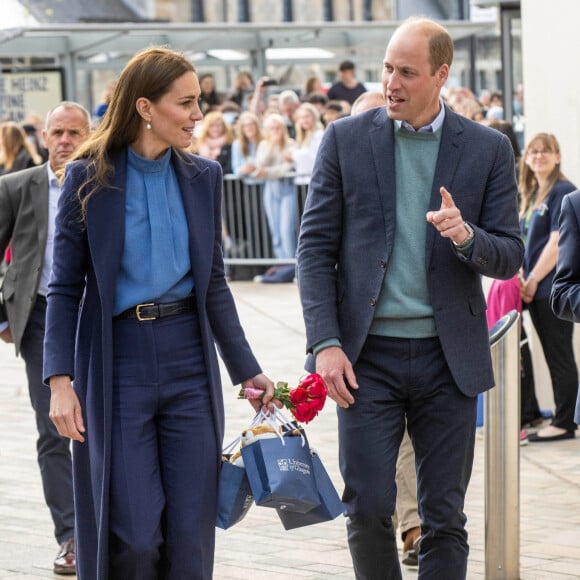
(330, 505)
(281, 473)
(234, 495)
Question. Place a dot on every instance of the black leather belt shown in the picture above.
(152, 311)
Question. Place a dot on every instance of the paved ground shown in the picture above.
(259, 547)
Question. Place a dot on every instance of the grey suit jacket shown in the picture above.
(348, 231)
(24, 221)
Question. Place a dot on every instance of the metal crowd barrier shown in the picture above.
(502, 453)
(246, 225)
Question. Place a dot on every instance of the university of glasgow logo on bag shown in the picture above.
(299, 466)
(283, 465)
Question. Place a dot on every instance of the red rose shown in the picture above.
(304, 401)
(318, 404)
(316, 388)
(312, 379)
(304, 413)
(317, 391)
(298, 395)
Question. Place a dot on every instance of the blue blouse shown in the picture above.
(155, 266)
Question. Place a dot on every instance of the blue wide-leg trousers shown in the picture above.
(164, 456)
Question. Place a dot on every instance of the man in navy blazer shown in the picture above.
(408, 207)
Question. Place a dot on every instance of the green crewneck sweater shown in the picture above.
(404, 309)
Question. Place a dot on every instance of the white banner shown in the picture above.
(25, 93)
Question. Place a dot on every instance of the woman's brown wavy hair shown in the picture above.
(149, 74)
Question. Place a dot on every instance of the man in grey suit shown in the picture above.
(28, 201)
(396, 234)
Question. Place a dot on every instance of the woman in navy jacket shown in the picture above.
(137, 298)
(542, 188)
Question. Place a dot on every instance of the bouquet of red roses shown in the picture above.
(304, 401)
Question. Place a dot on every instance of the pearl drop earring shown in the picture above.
(148, 125)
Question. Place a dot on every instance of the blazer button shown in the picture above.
(373, 302)
(383, 264)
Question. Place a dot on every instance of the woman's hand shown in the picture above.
(267, 402)
(65, 409)
(529, 288)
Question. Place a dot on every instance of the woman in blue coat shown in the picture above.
(137, 301)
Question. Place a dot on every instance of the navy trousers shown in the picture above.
(398, 378)
(53, 451)
(164, 467)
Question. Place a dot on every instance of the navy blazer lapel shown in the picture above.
(197, 193)
(450, 152)
(106, 227)
(381, 135)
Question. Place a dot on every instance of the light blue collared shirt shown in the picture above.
(431, 127)
(53, 195)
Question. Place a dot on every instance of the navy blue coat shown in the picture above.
(78, 338)
(565, 295)
(348, 231)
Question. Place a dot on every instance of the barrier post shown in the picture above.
(502, 453)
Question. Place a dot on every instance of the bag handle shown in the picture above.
(270, 419)
(227, 450)
(277, 417)
(231, 446)
(285, 422)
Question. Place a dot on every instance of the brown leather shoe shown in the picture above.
(65, 562)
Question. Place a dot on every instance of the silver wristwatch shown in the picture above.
(468, 239)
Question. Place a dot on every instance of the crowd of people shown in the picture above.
(238, 119)
(236, 122)
(126, 288)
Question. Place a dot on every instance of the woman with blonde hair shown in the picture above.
(309, 131)
(542, 188)
(137, 302)
(16, 152)
(215, 140)
(273, 163)
(244, 148)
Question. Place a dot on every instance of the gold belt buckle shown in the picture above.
(138, 312)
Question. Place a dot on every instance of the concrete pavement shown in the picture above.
(259, 547)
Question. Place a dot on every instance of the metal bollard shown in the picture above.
(502, 453)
